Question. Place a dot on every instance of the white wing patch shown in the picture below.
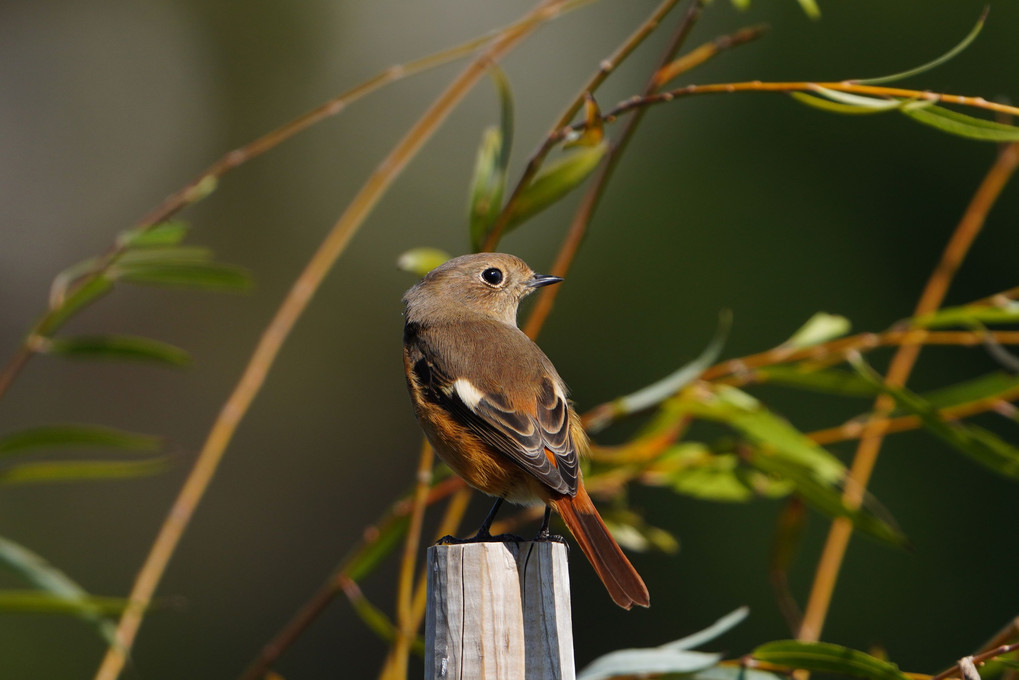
(468, 393)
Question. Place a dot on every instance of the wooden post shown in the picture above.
(498, 611)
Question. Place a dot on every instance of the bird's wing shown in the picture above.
(541, 443)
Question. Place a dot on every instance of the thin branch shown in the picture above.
(604, 69)
(588, 204)
(279, 328)
(979, 659)
(406, 630)
(898, 372)
(636, 103)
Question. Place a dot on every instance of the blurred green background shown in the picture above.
(749, 202)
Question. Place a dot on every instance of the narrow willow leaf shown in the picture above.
(717, 629)
(420, 261)
(728, 672)
(632, 532)
(73, 435)
(962, 125)
(62, 281)
(970, 37)
(36, 571)
(970, 315)
(197, 275)
(658, 392)
(781, 449)
(827, 498)
(36, 602)
(846, 109)
(382, 544)
(74, 471)
(819, 328)
(64, 305)
(981, 445)
(488, 185)
(862, 101)
(630, 663)
(810, 8)
(118, 347)
(980, 388)
(824, 380)
(824, 657)
(741, 411)
(163, 234)
(168, 255)
(553, 183)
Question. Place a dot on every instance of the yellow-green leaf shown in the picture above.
(554, 182)
(126, 347)
(824, 657)
(74, 435)
(420, 261)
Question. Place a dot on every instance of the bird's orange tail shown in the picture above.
(620, 578)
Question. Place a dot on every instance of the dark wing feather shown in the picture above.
(521, 437)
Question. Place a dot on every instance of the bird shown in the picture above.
(494, 408)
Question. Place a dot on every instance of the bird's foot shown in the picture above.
(481, 537)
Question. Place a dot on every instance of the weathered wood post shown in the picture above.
(499, 611)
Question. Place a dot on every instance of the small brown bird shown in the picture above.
(495, 409)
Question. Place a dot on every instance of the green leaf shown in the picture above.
(728, 672)
(75, 471)
(197, 275)
(554, 182)
(164, 234)
(981, 445)
(977, 389)
(810, 8)
(962, 125)
(651, 660)
(781, 449)
(64, 305)
(487, 187)
(823, 380)
(969, 316)
(824, 657)
(741, 411)
(717, 629)
(35, 602)
(118, 347)
(35, 570)
(970, 37)
(168, 255)
(420, 261)
(671, 384)
(818, 329)
(673, 657)
(65, 435)
(874, 104)
(827, 497)
(632, 532)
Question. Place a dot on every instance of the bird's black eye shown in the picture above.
(492, 276)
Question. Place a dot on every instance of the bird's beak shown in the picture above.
(539, 280)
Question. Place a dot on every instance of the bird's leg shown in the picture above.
(543, 534)
(484, 534)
